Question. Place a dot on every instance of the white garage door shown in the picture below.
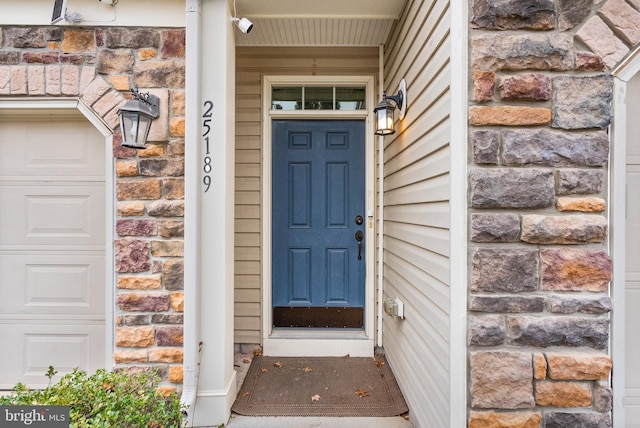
(52, 247)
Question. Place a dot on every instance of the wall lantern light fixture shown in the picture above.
(136, 117)
(384, 111)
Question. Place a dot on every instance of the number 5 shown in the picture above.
(205, 124)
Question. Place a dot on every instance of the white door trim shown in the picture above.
(25, 105)
(318, 342)
(617, 244)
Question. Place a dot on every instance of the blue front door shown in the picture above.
(318, 223)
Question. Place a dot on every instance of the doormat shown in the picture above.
(319, 386)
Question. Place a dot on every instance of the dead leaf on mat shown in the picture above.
(362, 393)
(263, 370)
(378, 363)
(246, 361)
(307, 369)
(246, 394)
(278, 365)
(315, 398)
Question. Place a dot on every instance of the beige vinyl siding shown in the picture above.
(417, 211)
(251, 64)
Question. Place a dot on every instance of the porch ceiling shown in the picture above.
(318, 23)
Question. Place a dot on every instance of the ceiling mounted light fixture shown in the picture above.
(136, 117)
(384, 111)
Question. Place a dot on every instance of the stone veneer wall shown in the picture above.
(99, 66)
(538, 328)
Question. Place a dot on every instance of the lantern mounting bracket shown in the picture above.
(149, 99)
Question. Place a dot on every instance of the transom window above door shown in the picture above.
(344, 98)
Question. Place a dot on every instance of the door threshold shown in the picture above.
(318, 343)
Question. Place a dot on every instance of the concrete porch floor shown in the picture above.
(239, 421)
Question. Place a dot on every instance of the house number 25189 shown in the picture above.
(206, 161)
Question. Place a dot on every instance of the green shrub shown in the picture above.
(105, 399)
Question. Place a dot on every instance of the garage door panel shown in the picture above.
(72, 214)
(32, 150)
(52, 246)
(71, 284)
(35, 347)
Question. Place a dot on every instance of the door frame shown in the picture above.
(59, 105)
(617, 209)
(318, 342)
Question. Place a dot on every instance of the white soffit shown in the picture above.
(317, 23)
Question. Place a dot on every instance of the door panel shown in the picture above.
(52, 248)
(318, 190)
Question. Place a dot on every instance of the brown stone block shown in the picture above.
(135, 337)
(522, 52)
(563, 394)
(166, 355)
(132, 255)
(569, 229)
(152, 150)
(130, 209)
(78, 41)
(581, 204)
(501, 380)
(166, 74)
(137, 282)
(587, 61)
(510, 270)
(177, 301)
(177, 103)
(173, 274)
(570, 269)
(176, 374)
(173, 188)
(170, 336)
(41, 57)
(143, 302)
(126, 168)
(509, 116)
(504, 419)
(147, 53)
(146, 189)
(483, 85)
(539, 366)
(133, 38)
(120, 82)
(173, 43)
(136, 319)
(177, 127)
(167, 248)
(154, 167)
(572, 13)
(176, 148)
(171, 229)
(578, 366)
(166, 208)
(557, 331)
(136, 227)
(118, 61)
(130, 356)
(530, 86)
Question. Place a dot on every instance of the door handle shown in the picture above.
(359, 238)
